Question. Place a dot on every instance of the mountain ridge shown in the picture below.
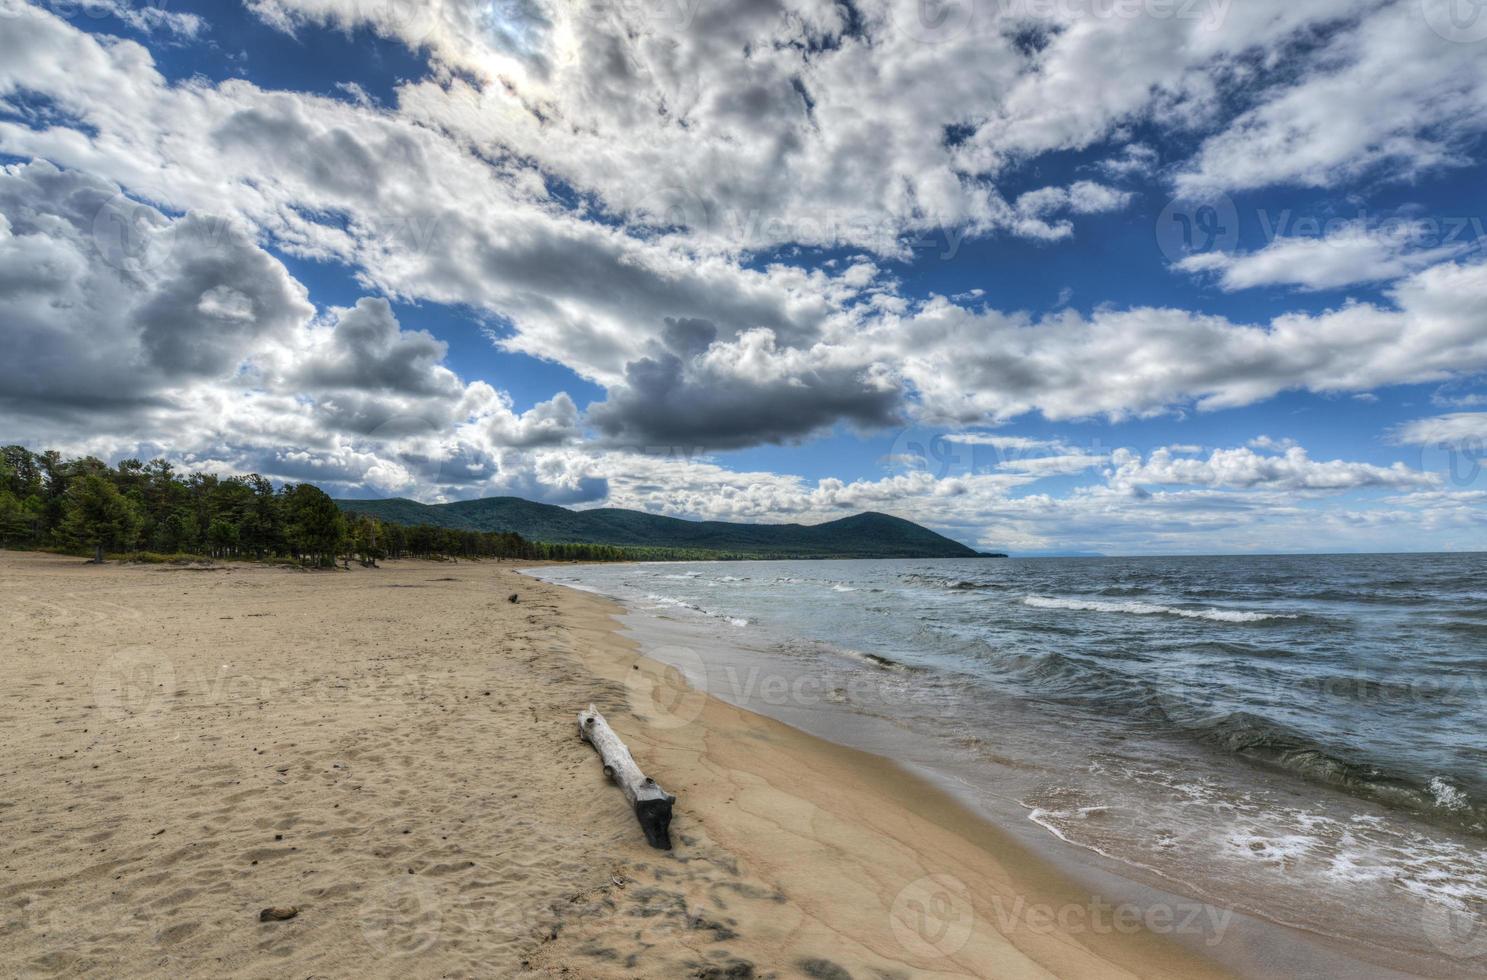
(865, 535)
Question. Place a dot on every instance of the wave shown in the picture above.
(670, 602)
(1151, 609)
(1438, 798)
(951, 584)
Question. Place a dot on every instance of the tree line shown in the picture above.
(150, 510)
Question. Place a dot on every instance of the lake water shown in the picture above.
(1300, 738)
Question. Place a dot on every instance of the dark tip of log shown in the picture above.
(655, 822)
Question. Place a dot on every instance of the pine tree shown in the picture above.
(96, 515)
(316, 526)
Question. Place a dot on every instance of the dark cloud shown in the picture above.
(369, 350)
(107, 300)
(664, 403)
(586, 490)
(218, 293)
(333, 160)
(688, 337)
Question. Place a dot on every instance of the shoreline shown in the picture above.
(1225, 938)
(966, 897)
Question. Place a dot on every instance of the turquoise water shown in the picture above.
(1300, 737)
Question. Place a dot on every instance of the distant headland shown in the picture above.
(868, 535)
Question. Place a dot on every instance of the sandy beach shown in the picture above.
(394, 752)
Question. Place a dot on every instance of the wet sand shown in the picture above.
(394, 752)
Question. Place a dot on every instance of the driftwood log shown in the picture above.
(652, 803)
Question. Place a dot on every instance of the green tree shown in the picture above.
(316, 526)
(15, 523)
(96, 515)
(222, 537)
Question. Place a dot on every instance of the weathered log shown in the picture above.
(652, 803)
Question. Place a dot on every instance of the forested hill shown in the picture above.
(862, 536)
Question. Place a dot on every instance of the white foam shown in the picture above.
(1447, 797)
(1149, 609)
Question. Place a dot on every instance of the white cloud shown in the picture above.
(1390, 90)
(145, 16)
(1457, 429)
(1247, 469)
(807, 121)
(1348, 254)
(988, 366)
(1240, 501)
(183, 336)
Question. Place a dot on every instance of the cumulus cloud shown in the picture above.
(548, 423)
(1392, 90)
(148, 17)
(1243, 501)
(800, 121)
(730, 395)
(109, 302)
(971, 366)
(367, 350)
(1247, 469)
(1456, 429)
(182, 335)
(1346, 255)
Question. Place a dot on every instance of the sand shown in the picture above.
(394, 752)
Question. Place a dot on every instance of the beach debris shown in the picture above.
(652, 803)
(514, 598)
(278, 913)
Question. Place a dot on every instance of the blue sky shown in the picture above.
(1047, 275)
